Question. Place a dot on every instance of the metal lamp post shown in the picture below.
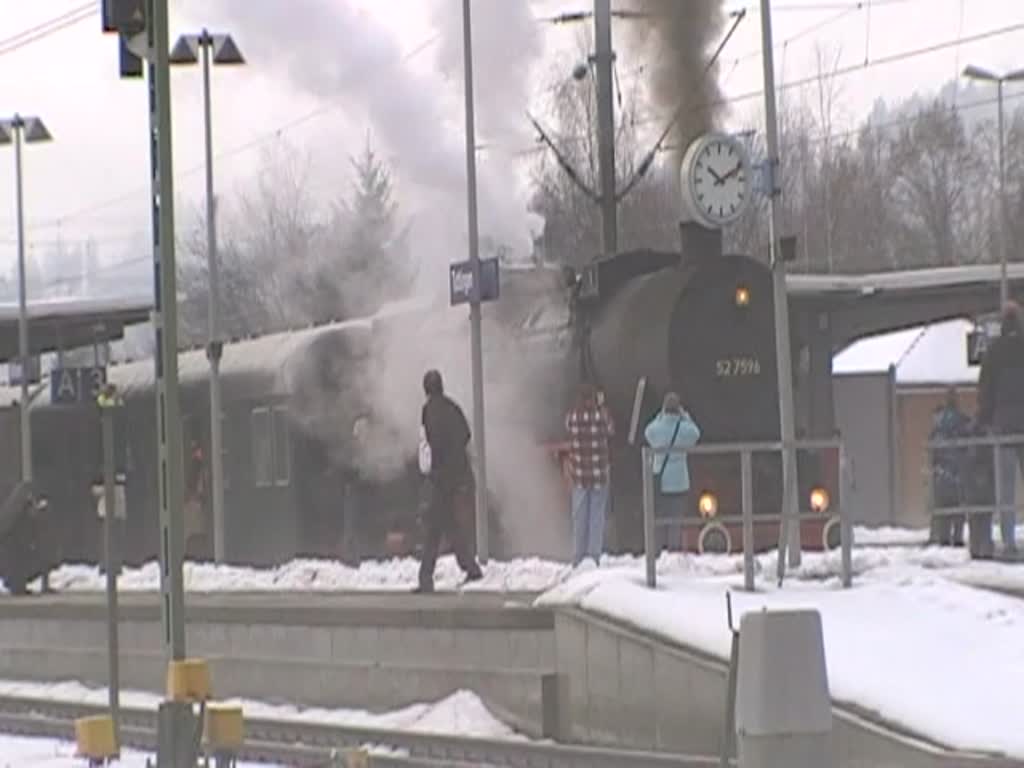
(972, 72)
(475, 321)
(224, 51)
(28, 130)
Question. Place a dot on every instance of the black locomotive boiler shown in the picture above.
(700, 324)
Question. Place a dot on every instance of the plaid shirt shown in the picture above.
(589, 428)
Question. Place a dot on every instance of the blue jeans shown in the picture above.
(589, 510)
(1009, 458)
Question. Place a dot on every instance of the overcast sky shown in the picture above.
(356, 76)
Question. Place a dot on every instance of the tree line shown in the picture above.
(914, 185)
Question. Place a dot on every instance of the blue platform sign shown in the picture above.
(73, 386)
(460, 281)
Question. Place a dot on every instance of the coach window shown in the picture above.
(262, 447)
(282, 448)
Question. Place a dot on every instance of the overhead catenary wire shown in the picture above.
(45, 29)
(253, 143)
(800, 82)
(854, 68)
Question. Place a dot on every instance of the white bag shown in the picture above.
(425, 456)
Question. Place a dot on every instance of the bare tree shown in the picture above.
(936, 167)
(267, 239)
(648, 215)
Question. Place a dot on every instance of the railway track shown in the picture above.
(311, 745)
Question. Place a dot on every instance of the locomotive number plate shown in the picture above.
(737, 366)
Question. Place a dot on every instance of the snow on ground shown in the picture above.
(888, 535)
(900, 643)
(461, 713)
(23, 752)
(874, 548)
(941, 658)
(520, 575)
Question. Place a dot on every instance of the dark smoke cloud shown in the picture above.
(677, 39)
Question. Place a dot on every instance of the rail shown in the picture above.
(746, 452)
(310, 745)
(1003, 460)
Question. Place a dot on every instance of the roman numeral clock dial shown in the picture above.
(715, 176)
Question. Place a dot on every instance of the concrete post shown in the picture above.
(783, 708)
(475, 320)
(111, 562)
(604, 58)
(790, 528)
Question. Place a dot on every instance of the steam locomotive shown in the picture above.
(319, 424)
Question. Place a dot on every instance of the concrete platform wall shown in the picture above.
(327, 654)
(628, 688)
(475, 638)
(517, 696)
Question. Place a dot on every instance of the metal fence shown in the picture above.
(999, 444)
(746, 518)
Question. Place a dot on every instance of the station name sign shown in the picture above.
(460, 281)
(74, 386)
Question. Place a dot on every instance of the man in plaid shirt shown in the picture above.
(589, 426)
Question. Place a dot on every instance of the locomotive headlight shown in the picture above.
(707, 505)
(819, 500)
(742, 296)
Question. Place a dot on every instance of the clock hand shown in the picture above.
(718, 179)
(733, 172)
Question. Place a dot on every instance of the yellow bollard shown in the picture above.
(188, 680)
(95, 739)
(224, 730)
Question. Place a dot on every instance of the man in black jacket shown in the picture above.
(1001, 408)
(451, 482)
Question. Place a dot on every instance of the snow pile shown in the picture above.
(876, 548)
(461, 713)
(520, 575)
(940, 658)
(888, 536)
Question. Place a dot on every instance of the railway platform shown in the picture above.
(550, 672)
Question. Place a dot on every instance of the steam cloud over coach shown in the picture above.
(320, 424)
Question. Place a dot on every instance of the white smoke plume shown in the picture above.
(334, 53)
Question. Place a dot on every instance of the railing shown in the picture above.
(746, 517)
(1000, 445)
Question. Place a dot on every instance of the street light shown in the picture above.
(972, 72)
(29, 130)
(186, 51)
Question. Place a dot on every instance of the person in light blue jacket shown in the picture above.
(673, 427)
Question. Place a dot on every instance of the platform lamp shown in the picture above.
(972, 72)
(221, 49)
(19, 130)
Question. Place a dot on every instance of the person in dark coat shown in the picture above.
(978, 491)
(450, 483)
(949, 471)
(1001, 409)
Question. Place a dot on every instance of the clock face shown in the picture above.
(719, 180)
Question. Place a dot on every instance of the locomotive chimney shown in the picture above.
(697, 241)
